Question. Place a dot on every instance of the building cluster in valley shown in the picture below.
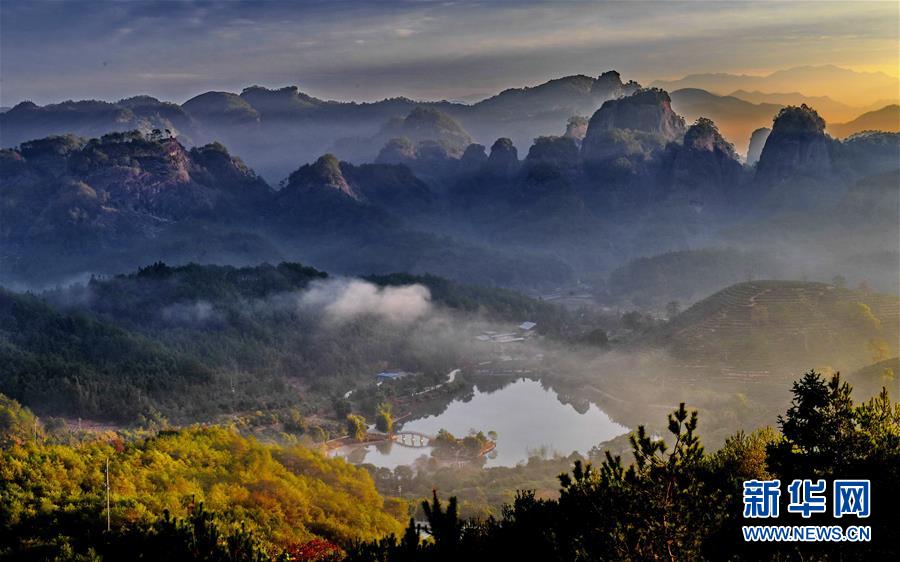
(503, 354)
(395, 375)
(524, 331)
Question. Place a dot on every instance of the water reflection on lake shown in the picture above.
(525, 416)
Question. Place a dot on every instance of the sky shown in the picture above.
(353, 50)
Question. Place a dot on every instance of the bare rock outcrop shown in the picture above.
(797, 145)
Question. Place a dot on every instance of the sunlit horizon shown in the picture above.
(426, 51)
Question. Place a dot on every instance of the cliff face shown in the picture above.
(705, 166)
(576, 128)
(648, 111)
(797, 146)
(473, 158)
(27, 121)
(122, 184)
(632, 126)
(330, 186)
(562, 151)
(504, 158)
(757, 142)
(157, 176)
(322, 177)
(703, 137)
(609, 86)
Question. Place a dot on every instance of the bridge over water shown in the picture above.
(412, 439)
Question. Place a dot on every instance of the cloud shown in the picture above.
(198, 312)
(345, 300)
(52, 51)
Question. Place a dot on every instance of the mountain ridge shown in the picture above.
(838, 83)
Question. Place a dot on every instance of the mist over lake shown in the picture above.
(435, 281)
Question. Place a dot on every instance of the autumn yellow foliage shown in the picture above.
(289, 495)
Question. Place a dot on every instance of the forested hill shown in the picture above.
(496, 303)
(195, 342)
(134, 297)
(137, 298)
(291, 504)
(264, 497)
(71, 363)
(780, 324)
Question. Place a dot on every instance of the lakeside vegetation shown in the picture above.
(207, 493)
(433, 320)
(449, 447)
(681, 502)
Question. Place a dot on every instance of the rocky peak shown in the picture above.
(609, 86)
(504, 158)
(430, 124)
(161, 114)
(126, 174)
(757, 141)
(283, 102)
(145, 104)
(704, 136)
(609, 80)
(430, 150)
(797, 145)
(324, 173)
(131, 168)
(473, 158)
(705, 166)
(556, 150)
(23, 107)
(221, 107)
(212, 164)
(576, 128)
(51, 153)
(635, 127)
(799, 121)
(648, 110)
(397, 151)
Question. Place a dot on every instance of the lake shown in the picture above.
(526, 417)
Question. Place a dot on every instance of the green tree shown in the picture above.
(356, 427)
(819, 429)
(17, 423)
(680, 503)
(444, 525)
(342, 408)
(384, 418)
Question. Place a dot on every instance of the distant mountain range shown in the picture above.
(274, 129)
(831, 110)
(740, 113)
(885, 119)
(736, 118)
(608, 172)
(846, 86)
(636, 175)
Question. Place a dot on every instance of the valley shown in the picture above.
(433, 308)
